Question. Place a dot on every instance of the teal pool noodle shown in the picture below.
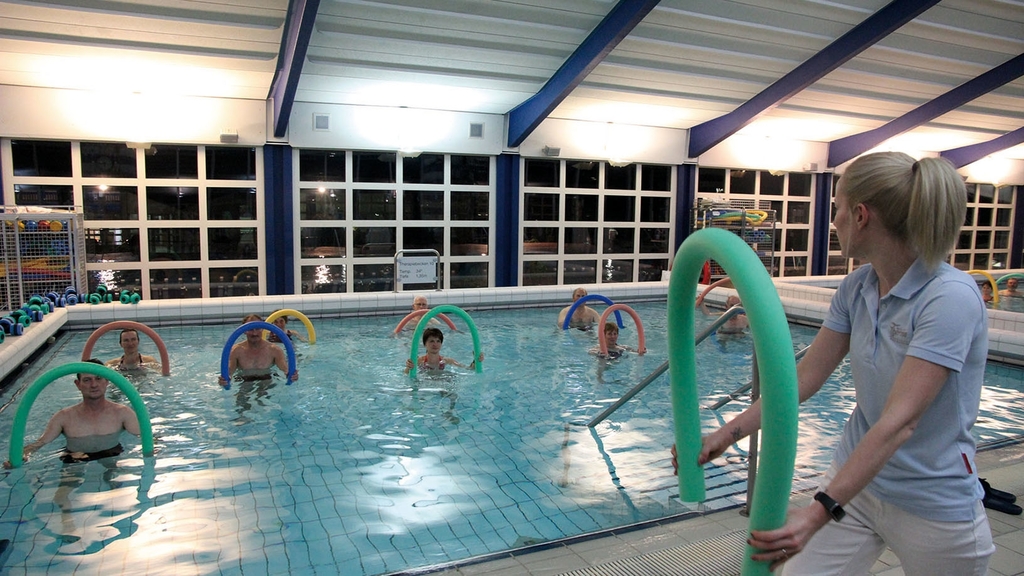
(122, 383)
(776, 366)
(425, 320)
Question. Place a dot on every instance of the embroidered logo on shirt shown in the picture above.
(898, 334)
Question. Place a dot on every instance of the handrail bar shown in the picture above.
(735, 394)
(664, 366)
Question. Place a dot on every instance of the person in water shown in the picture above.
(433, 339)
(92, 427)
(735, 325)
(132, 358)
(282, 323)
(611, 336)
(584, 317)
(254, 357)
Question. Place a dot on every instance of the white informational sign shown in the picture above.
(417, 269)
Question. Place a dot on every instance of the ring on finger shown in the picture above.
(784, 553)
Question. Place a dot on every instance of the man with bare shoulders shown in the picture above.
(92, 427)
(253, 358)
(583, 317)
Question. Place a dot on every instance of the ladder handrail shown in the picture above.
(664, 366)
(735, 394)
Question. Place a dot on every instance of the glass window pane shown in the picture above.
(711, 180)
(655, 209)
(373, 166)
(110, 202)
(238, 281)
(324, 279)
(233, 244)
(373, 204)
(798, 213)
(983, 240)
(540, 206)
(962, 261)
(837, 265)
(617, 271)
(772, 185)
(376, 241)
(981, 261)
(620, 177)
(474, 241)
(423, 169)
(167, 244)
(43, 195)
(169, 161)
(579, 272)
(580, 241)
(969, 217)
(800, 184)
(230, 163)
(322, 204)
(542, 274)
(423, 205)
(619, 208)
(471, 170)
(984, 217)
(108, 159)
(325, 242)
(833, 241)
(986, 193)
(742, 181)
(540, 240)
(618, 240)
(423, 238)
(964, 241)
(115, 280)
(650, 270)
(172, 203)
(231, 203)
(654, 240)
(322, 165)
(796, 266)
(1003, 216)
(41, 158)
(174, 283)
(796, 240)
(656, 178)
(541, 172)
(1005, 195)
(581, 207)
(469, 275)
(374, 277)
(470, 206)
(1001, 240)
(112, 245)
(582, 174)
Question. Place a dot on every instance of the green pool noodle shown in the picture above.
(122, 383)
(776, 366)
(425, 320)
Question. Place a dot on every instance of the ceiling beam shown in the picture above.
(965, 155)
(850, 147)
(619, 22)
(707, 135)
(298, 29)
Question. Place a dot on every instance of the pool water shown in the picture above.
(358, 469)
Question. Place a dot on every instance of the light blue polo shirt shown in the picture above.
(938, 317)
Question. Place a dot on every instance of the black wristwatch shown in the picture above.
(831, 506)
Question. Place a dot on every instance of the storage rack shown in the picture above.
(42, 250)
(756, 225)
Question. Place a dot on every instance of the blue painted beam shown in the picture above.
(298, 29)
(965, 155)
(619, 22)
(707, 135)
(820, 230)
(506, 221)
(850, 147)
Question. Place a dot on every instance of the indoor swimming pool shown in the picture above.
(358, 469)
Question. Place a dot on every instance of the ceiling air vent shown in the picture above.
(476, 130)
(321, 122)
